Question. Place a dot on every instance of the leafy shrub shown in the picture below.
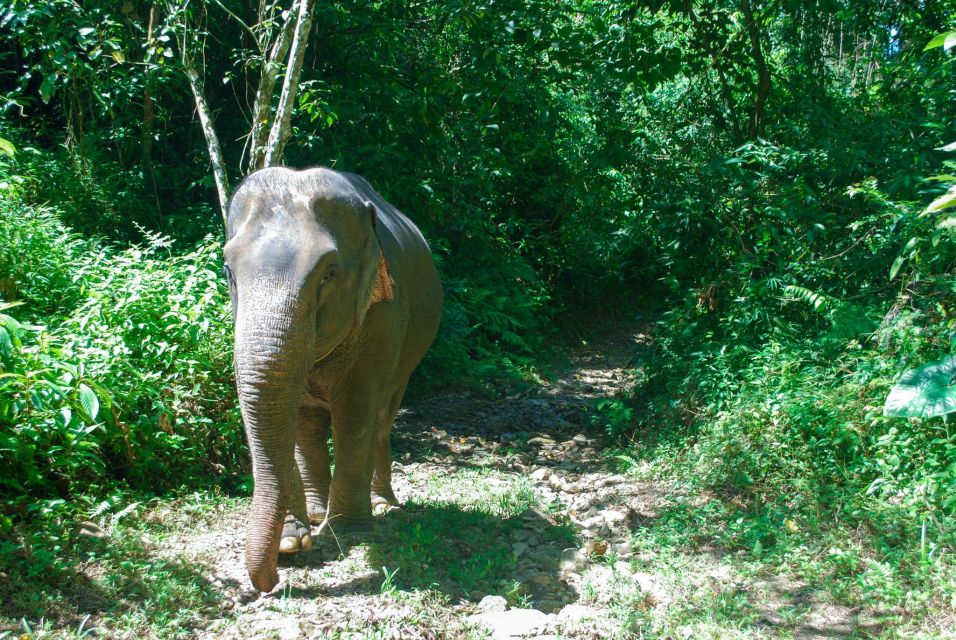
(129, 375)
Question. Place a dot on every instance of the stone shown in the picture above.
(573, 560)
(542, 579)
(492, 604)
(519, 548)
(89, 529)
(514, 623)
(542, 442)
(623, 548)
(580, 439)
(576, 613)
(612, 517)
(596, 547)
(540, 474)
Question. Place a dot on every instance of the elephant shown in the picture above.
(335, 301)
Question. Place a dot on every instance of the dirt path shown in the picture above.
(513, 526)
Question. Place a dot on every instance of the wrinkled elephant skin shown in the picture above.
(336, 299)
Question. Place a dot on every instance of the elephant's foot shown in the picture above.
(296, 536)
(384, 496)
(383, 501)
(317, 511)
(339, 524)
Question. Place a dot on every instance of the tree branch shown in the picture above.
(282, 123)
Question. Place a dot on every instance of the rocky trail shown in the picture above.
(514, 525)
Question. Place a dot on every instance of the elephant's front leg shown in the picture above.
(353, 436)
(296, 533)
(312, 458)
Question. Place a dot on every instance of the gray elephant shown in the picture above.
(336, 299)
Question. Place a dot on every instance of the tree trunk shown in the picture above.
(149, 172)
(262, 109)
(212, 140)
(282, 124)
(763, 73)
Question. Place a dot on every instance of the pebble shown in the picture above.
(519, 548)
(580, 439)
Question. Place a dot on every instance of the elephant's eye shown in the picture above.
(328, 275)
(226, 271)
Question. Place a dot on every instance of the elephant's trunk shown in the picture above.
(273, 343)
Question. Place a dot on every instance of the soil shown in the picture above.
(572, 565)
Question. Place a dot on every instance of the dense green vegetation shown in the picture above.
(764, 183)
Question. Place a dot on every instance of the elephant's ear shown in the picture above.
(382, 283)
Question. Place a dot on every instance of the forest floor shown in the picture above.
(514, 524)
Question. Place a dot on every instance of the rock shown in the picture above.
(544, 555)
(540, 474)
(519, 548)
(580, 503)
(492, 604)
(542, 442)
(514, 623)
(557, 482)
(596, 547)
(612, 517)
(580, 439)
(89, 529)
(623, 548)
(573, 560)
(542, 579)
(623, 567)
(576, 613)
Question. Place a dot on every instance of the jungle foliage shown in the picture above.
(769, 182)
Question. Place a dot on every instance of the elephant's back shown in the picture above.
(413, 270)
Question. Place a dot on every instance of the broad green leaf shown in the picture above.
(924, 392)
(942, 40)
(89, 401)
(6, 147)
(945, 201)
(896, 266)
(48, 87)
(949, 147)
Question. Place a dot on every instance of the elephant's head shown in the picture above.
(304, 265)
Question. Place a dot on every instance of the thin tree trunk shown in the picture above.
(763, 73)
(262, 109)
(148, 114)
(212, 140)
(282, 124)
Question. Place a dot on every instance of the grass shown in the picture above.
(60, 585)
